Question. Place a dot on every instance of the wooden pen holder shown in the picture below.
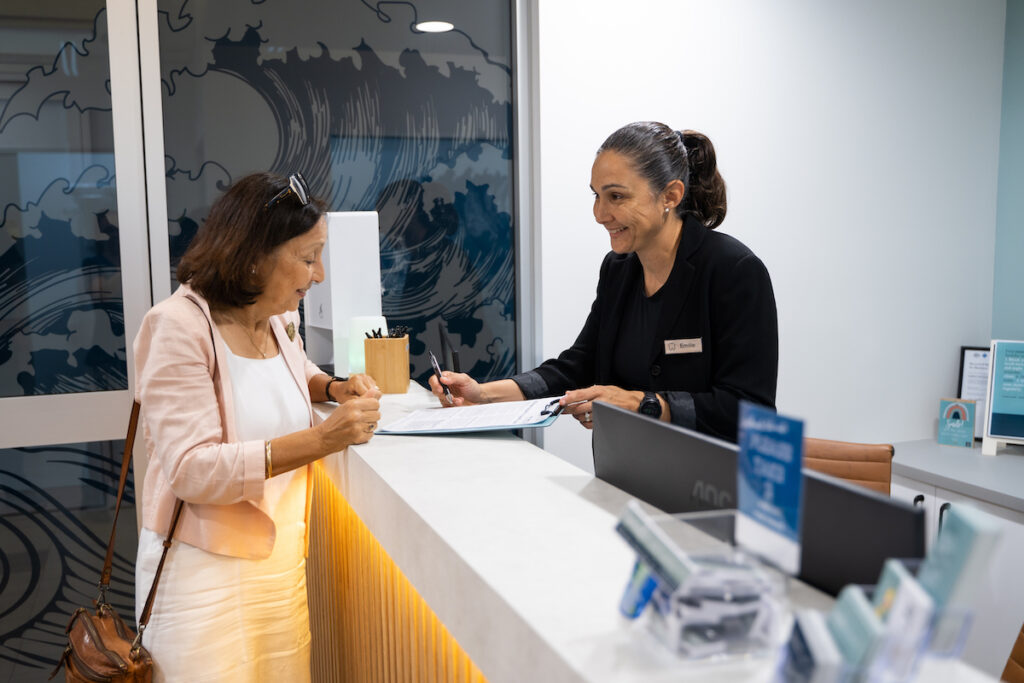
(387, 362)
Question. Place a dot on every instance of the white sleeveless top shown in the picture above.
(219, 618)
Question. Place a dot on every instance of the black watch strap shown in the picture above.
(332, 380)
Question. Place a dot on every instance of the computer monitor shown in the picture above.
(672, 468)
(847, 531)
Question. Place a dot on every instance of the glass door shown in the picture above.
(74, 276)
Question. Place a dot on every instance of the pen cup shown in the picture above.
(387, 362)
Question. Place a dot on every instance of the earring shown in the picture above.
(252, 269)
(667, 208)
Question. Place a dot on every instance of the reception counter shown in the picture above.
(480, 557)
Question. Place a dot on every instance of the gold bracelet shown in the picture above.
(269, 464)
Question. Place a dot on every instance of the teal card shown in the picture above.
(956, 422)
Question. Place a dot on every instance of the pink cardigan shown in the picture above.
(189, 426)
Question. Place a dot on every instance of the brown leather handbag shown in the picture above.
(101, 646)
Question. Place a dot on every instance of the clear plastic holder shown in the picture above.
(734, 606)
(944, 639)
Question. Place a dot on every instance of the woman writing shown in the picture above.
(226, 393)
(684, 323)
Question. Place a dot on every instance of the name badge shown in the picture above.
(674, 346)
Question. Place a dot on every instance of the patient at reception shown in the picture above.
(226, 392)
(684, 323)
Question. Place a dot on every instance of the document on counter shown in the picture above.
(483, 418)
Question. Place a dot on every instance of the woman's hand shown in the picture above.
(351, 422)
(580, 402)
(465, 390)
(355, 385)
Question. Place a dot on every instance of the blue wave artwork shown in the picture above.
(61, 313)
(377, 116)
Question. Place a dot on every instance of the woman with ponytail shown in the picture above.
(684, 324)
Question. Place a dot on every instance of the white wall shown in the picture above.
(860, 145)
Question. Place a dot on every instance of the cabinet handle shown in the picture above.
(918, 499)
(942, 511)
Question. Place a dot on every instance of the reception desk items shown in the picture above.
(387, 362)
(714, 602)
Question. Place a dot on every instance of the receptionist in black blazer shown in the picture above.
(684, 324)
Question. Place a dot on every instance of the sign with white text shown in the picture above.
(770, 485)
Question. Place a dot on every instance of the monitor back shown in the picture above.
(848, 532)
(672, 468)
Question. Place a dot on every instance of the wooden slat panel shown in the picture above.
(368, 622)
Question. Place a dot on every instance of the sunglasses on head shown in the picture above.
(296, 186)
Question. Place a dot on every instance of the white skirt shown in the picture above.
(221, 618)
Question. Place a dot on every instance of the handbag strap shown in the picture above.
(133, 423)
(129, 443)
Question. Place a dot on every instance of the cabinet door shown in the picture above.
(917, 493)
(1000, 605)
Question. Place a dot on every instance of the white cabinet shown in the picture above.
(1000, 609)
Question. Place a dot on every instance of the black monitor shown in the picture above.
(672, 468)
(847, 531)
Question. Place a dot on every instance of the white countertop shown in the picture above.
(998, 479)
(515, 551)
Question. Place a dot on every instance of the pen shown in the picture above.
(437, 374)
(547, 408)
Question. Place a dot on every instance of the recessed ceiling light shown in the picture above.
(434, 26)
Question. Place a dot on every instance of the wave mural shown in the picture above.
(377, 116)
(61, 314)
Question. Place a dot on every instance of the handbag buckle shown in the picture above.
(137, 643)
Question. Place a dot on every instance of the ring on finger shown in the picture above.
(371, 427)
(586, 416)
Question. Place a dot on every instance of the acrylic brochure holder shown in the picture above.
(716, 602)
(713, 601)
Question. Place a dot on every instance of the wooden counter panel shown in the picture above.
(368, 621)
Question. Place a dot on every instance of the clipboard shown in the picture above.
(490, 417)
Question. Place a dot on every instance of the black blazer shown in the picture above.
(718, 292)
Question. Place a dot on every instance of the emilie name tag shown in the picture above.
(673, 346)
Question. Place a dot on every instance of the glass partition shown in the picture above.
(61, 312)
(378, 115)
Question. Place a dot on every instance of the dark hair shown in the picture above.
(662, 155)
(240, 232)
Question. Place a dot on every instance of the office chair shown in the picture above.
(1014, 671)
(868, 465)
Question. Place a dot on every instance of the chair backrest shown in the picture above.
(868, 465)
(1014, 671)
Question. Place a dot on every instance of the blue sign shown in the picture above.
(770, 485)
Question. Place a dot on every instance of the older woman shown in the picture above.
(684, 324)
(226, 393)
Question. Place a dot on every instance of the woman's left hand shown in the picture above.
(580, 402)
(356, 385)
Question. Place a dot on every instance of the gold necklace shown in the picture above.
(252, 340)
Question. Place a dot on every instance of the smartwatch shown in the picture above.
(650, 405)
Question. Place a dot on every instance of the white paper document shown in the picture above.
(509, 415)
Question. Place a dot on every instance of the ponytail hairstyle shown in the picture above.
(662, 155)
